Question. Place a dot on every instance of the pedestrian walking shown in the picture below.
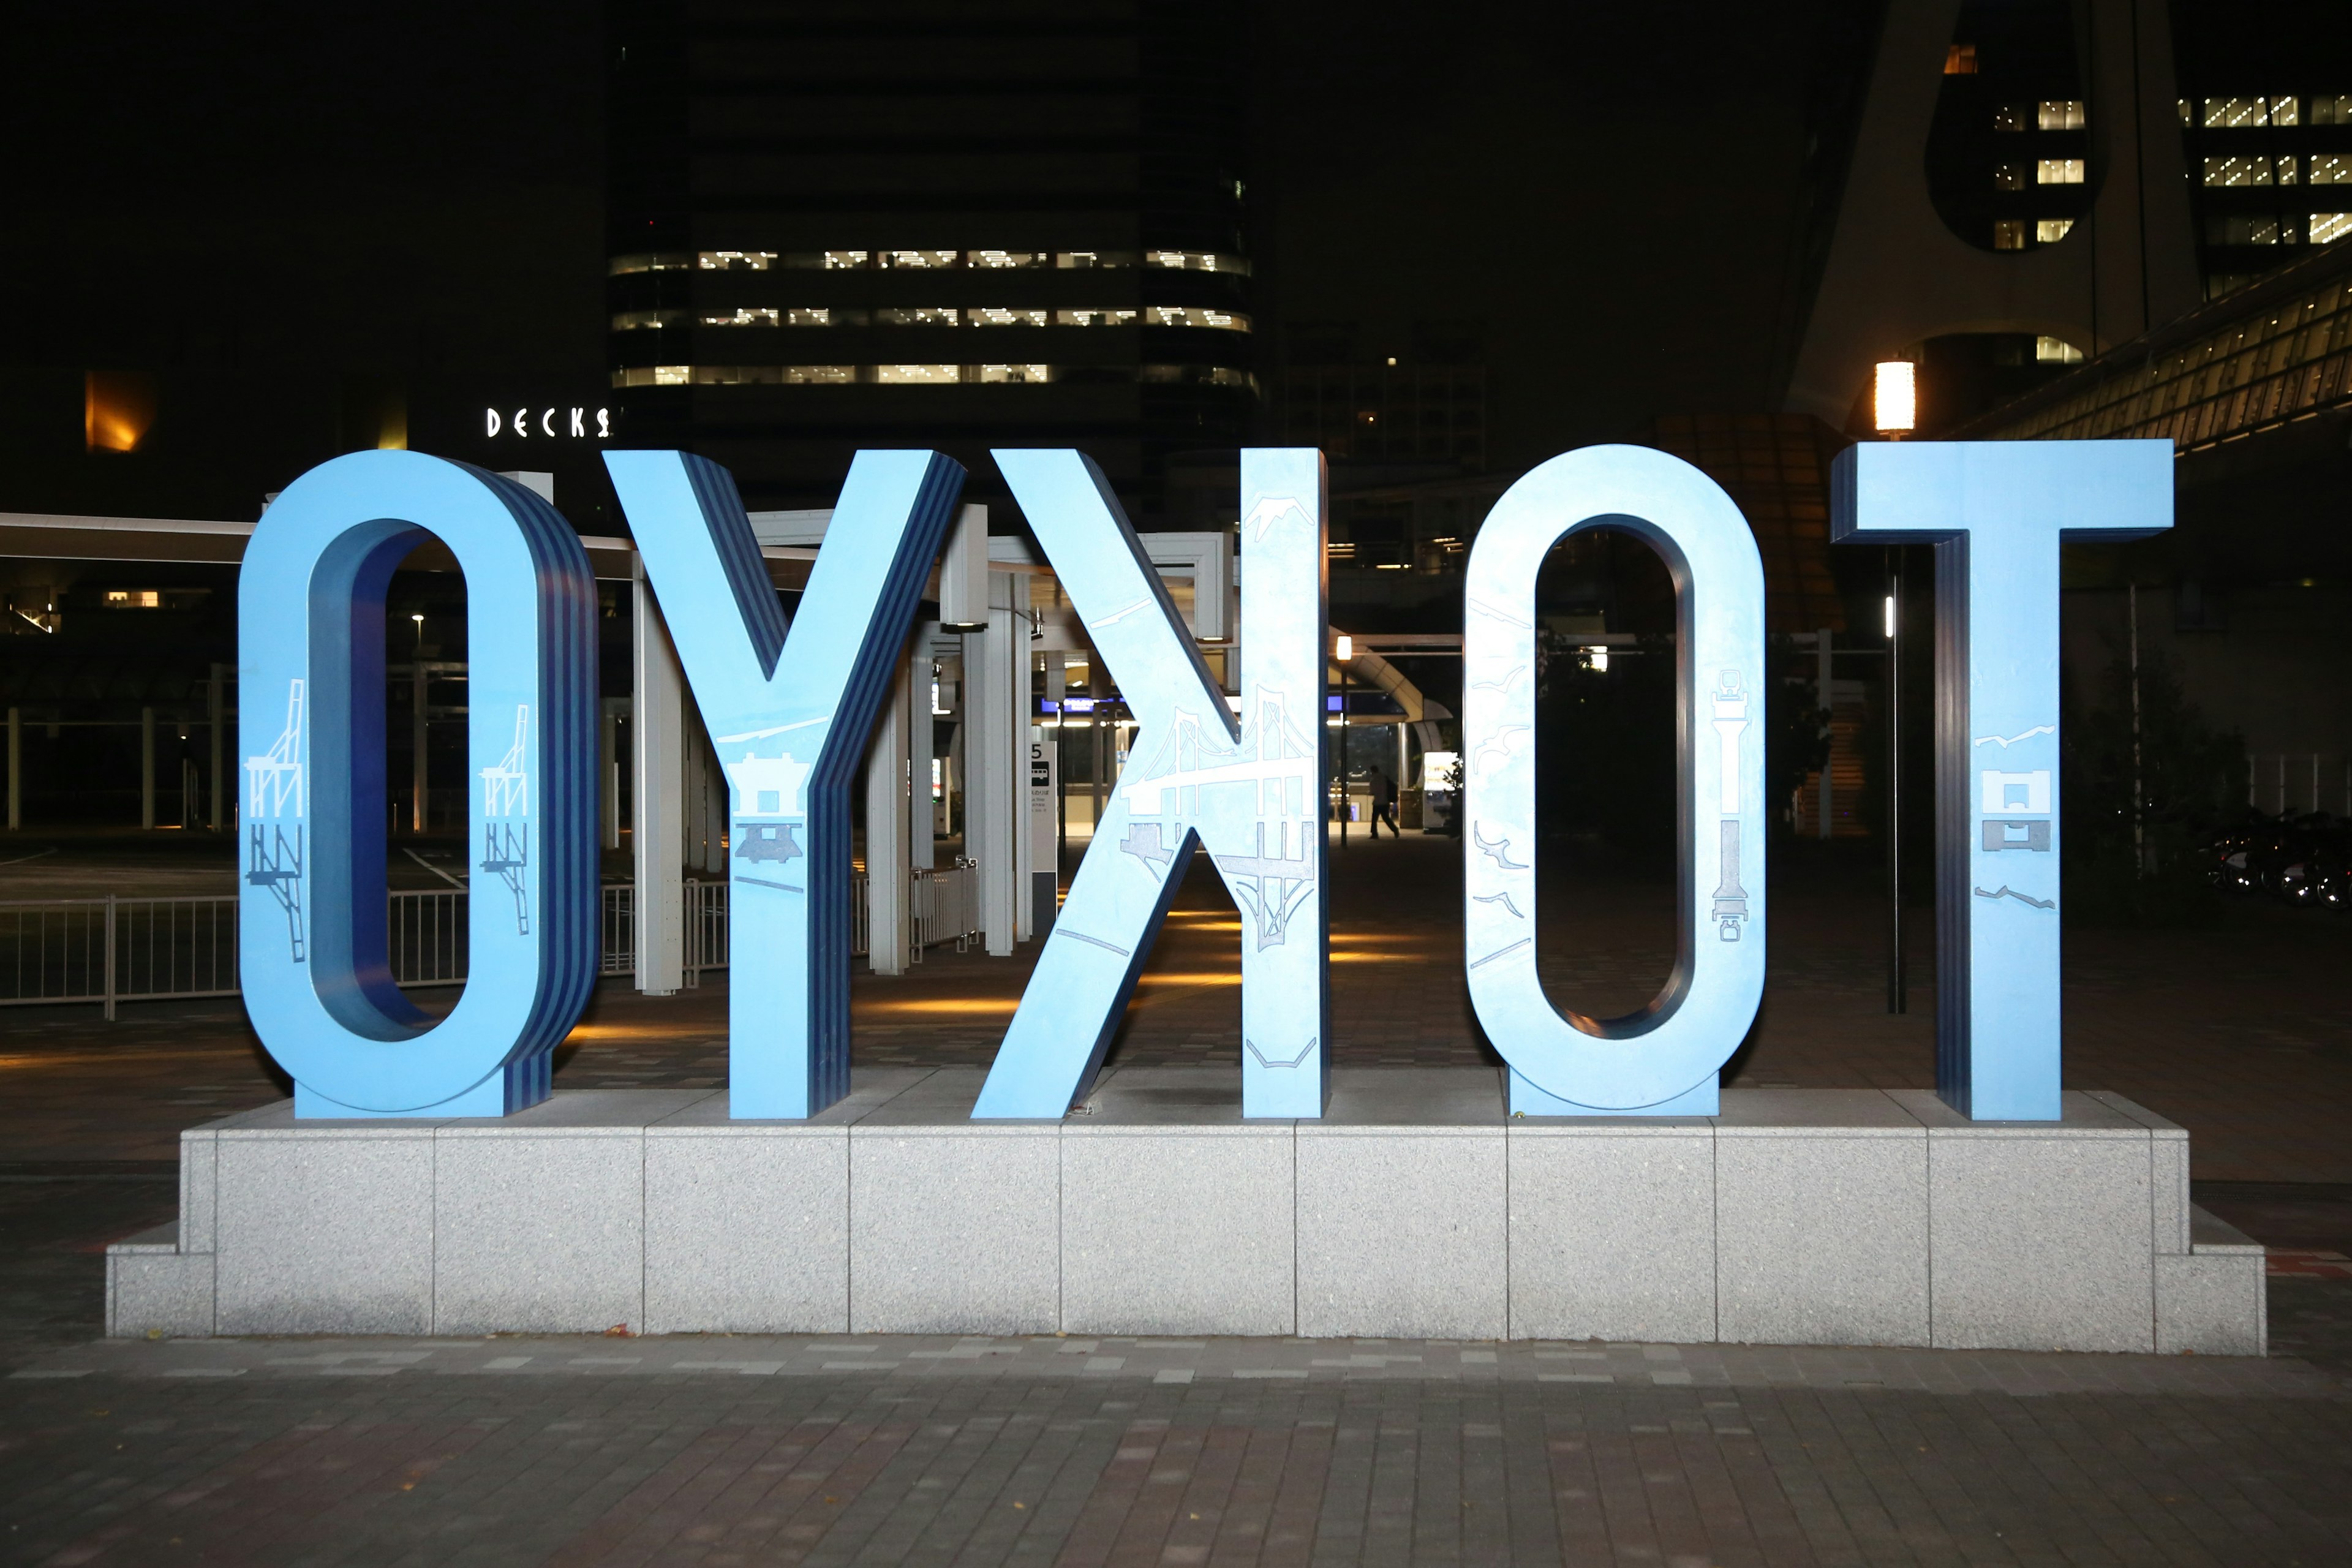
(1383, 790)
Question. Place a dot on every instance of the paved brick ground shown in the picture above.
(1118, 1451)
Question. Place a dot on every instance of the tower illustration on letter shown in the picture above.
(274, 801)
(769, 812)
(1730, 720)
(506, 819)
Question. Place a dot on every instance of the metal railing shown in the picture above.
(111, 950)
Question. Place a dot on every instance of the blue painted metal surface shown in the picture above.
(789, 711)
(1996, 512)
(1248, 787)
(311, 641)
(1664, 1059)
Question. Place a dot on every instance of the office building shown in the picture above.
(835, 226)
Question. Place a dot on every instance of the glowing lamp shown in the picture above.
(1896, 397)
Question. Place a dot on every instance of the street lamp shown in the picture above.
(419, 619)
(1894, 398)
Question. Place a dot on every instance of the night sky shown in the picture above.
(1614, 192)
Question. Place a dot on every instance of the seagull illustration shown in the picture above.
(1497, 851)
(1501, 742)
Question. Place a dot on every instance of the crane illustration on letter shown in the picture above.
(273, 801)
(505, 813)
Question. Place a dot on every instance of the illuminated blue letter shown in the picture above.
(1250, 789)
(1996, 512)
(1662, 1060)
(311, 895)
(789, 709)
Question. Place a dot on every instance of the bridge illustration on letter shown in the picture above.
(274, 800)
(768, 807)
(506, 819)
(1273, 757)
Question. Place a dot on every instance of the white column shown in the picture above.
(994, 757)
(887, 830)
(1823, 699)
(608, 773)
(1020, 730)
(658, 750)
(921, 736)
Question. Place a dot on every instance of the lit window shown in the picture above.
(2058, 172)
(2059, 114)
(1084, 259)
(2286, 169)
(820, 374)
(736, 261)
(2055, 350)
(630, 321)
(828, 260)
(622, 266)
(2008, 234)
(1003, 316)
(2331, 168)
(824, 316)
(1014, 373)
(2236, 114)
(1960, 59)
(135, 599)
(654, 376)
(2008, 177)
(744, 316)
(2051, 230)
(1195, 316)
(2008, 117)
(1090, 317)
(1196, 375)
(1196, 261)
(918, 374)
(2237, 170)
(117, 408)
(919, 259)
(2329, 226)
(993, 258)
(738, 375)
(2332, 109)
(917, 316)
(2282, 109)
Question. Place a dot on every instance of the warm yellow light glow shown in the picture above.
(1345, 649)
(117, 408)
(1896, 396)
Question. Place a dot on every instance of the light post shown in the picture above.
(1894, 401)
(1344, 650)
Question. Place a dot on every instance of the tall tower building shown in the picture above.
(893, 222)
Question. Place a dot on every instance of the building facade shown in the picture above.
(835, 226)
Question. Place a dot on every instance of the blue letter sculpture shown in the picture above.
(312, 896)
(789, 709)
(1662, 1060)
(1251, 790)
(1996, 512)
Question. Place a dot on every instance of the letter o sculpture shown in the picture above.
(313, 933)
(1662, 1060)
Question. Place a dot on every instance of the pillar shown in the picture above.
(146, 767)
(888, 829)
(658, 750)
(215, 717)
(921, 741)
(608, 774)
(989, 755)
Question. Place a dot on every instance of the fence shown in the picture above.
(112, 950)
